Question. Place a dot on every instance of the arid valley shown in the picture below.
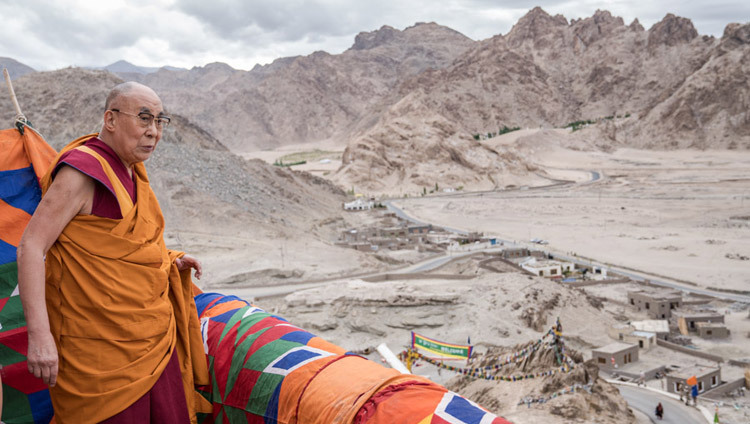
(619, 152)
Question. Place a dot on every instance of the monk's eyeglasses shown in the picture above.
(145, 119)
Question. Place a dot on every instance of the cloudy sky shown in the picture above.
(49, 34)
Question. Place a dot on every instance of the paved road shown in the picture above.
(675, 412)
(637, 276)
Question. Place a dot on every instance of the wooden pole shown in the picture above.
(13, 98)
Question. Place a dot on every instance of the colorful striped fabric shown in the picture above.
(23, 160)
(266, 370)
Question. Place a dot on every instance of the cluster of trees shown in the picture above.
(504, 130)
(577, 125)
(281, 163)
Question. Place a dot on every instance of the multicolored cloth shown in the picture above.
(23, 160)
(266, 370)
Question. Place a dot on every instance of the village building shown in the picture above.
(546, 267)
(359, 205)
(643, 339)
(628, 334)
(618, 331)
(707, 378)
(419, 229)
(657, 304)
(660, 327)
(515, 253)
(712, 330)
(615, 355)
(687, 321)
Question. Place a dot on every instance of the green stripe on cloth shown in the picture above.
(8, 279)
(9, 356)
(16, 408)
(11, 316)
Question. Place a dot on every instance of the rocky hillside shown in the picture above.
(500, 312)
(300, 99)
(15, 68)
(666, 87)
(198, 182)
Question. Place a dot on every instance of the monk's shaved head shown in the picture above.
(123, 90)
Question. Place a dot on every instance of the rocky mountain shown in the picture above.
(410, 105)
(310, 98)
(190, 167)
(127, 68)
(662, 88)
(15, 68)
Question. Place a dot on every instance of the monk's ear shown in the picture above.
(109, 120)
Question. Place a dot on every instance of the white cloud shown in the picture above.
(47, 34)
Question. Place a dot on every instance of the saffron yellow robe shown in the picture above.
(118, 307)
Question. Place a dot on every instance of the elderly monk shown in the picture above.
(111, 319)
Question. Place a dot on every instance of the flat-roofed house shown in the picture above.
(660, 327)
(359, 205)
(644, 339)
(712, 330)
(547, 267)
(707, 378)
(658, 304)
(688, 321)
(618, 331)
(614, 355)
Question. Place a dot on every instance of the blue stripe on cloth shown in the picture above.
(225, 317)
(301, 337)
(272, 411)
(461, 409)
(202, 300)
(7, 253)
(20, 189)
(41, 406)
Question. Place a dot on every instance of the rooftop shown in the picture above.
(614, 347)
(697, 314)
(710, 324)
(652, 325)
(643, 334)
(694, 370)
(659, 294)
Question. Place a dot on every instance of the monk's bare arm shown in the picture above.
(71, 193)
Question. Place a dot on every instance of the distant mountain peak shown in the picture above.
(124, 67)
(370, 40)
(671, 31)
(636, 26)
(15, 68)
(533, 25)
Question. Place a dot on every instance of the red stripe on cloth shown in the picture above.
(18, 377)
(270, 335)
(16, 339)
(243, 387)
(223, 358)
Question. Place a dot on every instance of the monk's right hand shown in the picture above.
(42, 357)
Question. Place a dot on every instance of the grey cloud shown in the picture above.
(285, 21)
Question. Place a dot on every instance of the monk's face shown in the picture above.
(132, 140)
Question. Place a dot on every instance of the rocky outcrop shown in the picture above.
(671, 31)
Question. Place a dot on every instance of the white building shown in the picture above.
(546, 267)
(359, 205)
